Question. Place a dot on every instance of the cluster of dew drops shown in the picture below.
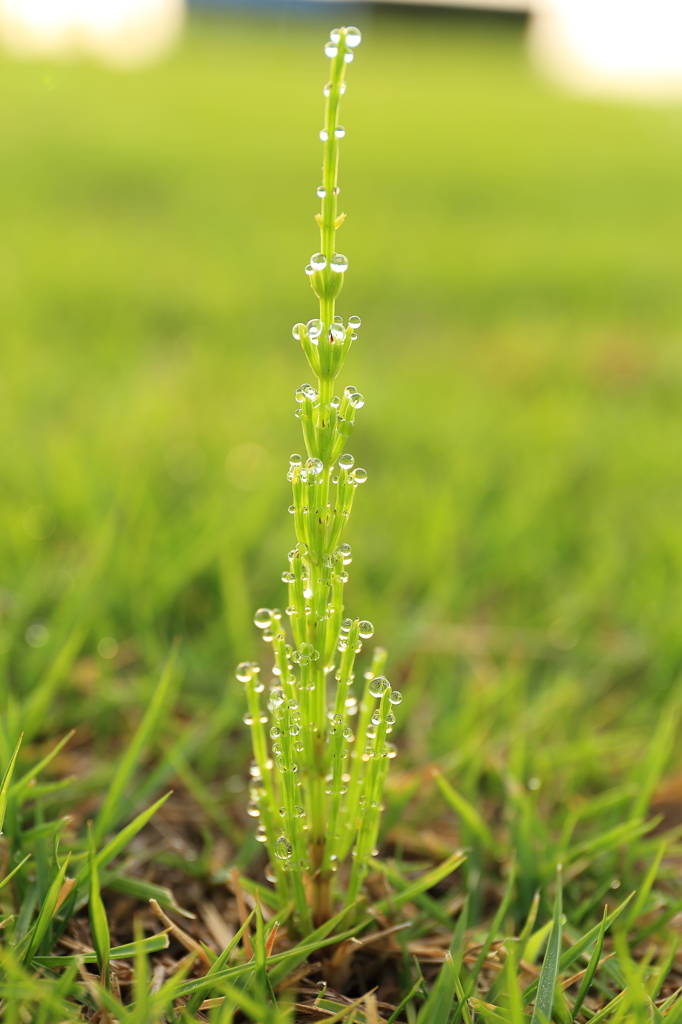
(378, 686)
(353, 37)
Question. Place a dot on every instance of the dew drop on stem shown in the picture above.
(262, 618)
(378, 686)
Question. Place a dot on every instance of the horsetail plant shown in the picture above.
(317, 785)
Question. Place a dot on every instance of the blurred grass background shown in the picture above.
(514, 256)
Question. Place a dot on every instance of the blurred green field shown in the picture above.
(514, 256)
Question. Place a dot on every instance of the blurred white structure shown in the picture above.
(119, 32)
(630, 48)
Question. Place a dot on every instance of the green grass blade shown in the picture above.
(427, 881)
(674, 1014)
(296, 956)
(13, 872)
(457, 944)
(642, 895)
(569, 957)
(6, 779)
(591, 968)
(542, 1011)
(436, 1009)
(120, 841)
(151, 944)
(98, 918)
(40, 699)
(37, 933)
(20, 787)
(151, 721)
(490, 937)
(194, 1001)
(465, 811)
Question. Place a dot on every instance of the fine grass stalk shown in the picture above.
(317, 781)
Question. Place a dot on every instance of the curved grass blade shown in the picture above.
(21, 785)
(591, 968)
(6, 779)
(544, 1001)
(120, 841)
(36, 935)
(13, 872)
(152, 944)
(98, 917)
(110, 809)
(195, 1000)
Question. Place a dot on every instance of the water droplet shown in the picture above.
(315, 328)
(275, 732)
(379, 685)
(338, 263)
(267, 635)
(321, 191)
(247, 719)
(353, 36)
(294, 731)
(262, 618)
(348, 734)
(330, 49)
(327, 91)
(335, 402)
(324, 135)
(359, 476)
(243, 671)
(292, 705)
(376, 718)
(261, 837)
(357, 400)
(390, 718)
(288, 577)
(269, 873)
(318, 261)
(339, 131)
(282, 848)
(277, 698)
(254, 770)
(299, 812)
(346, 461)
(354, 322)
(337, 334)
(315, 466)
(298, 331)
(292, 508)
(335, 35)
(306, 649)
(365, 629)
(395, 697)
(299, 746)
(348, 57)
(310, 270)
(346, 625)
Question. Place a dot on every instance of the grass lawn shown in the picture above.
(514, 256)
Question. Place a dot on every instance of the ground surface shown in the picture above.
(514, 256)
